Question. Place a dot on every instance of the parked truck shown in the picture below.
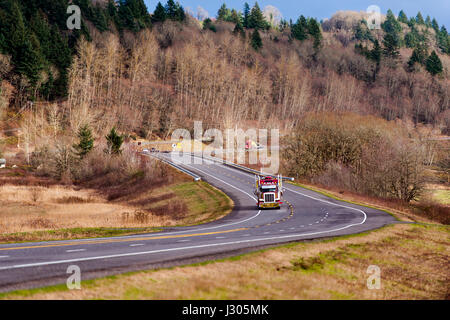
(269, 192)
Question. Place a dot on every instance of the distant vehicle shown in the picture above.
(269, 192)
(252, 145)
(145, 151)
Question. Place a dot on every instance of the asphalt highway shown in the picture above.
(305, 215)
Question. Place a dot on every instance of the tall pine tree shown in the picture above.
(246, 15)
(434, 64)
(256, 40)
(160, 13)
(402, 17)
(114, 142)
(85, 143)
(299, 30)
(256, 19)
(419, 18)
(391, 46)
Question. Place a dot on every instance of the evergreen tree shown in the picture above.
(434, 64)
(256, 41)
(435, 25)
(428, 21)
(17, 29)
(28, 61)
(171, 9)
(208, 25)
(86, 142)
(443, 40)
(24, 46)
(160, 13)
(391, 46)
(391, 24)
(235, 17)
(419, 55)
(223, 13)
(239, 29)
(112, 11)
(402, 17)
(126, 17)
(419, 18)
(246, 15)
(41, 29)
(256, 19)
(284, 24)
(299, 30)
(314, 31)
(375, 53)
(114, 142)
(180, 14)
(410, 40)
(412, 22)
(174, 11)
(60, 56)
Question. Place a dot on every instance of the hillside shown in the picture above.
(282, 79)
(148, 74)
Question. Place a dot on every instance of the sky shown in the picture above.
(321, 9)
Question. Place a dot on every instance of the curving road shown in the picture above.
(305, 215)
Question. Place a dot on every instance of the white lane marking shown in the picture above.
(76, 250)
(136, 245)
(220, 237)
(252, 197)
(291, 228)
(193, 230)
(281, 230)
(335, 204)
(183, 240)
(310, 224)
(246, 235)
(302, 226)
(210, 245)
(311, 197)
(171, 249)
(4, 257)
(266, 232)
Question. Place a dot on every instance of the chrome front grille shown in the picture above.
(269, 197)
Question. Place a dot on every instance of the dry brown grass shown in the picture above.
(60, 207)
(413, 260)
(25, 209)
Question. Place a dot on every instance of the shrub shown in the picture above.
(344, 151)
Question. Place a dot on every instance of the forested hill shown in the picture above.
(400, 71)
(34, 34)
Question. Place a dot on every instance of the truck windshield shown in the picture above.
(266, 189)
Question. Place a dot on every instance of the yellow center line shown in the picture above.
(77, 243)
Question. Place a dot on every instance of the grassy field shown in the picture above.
(441, 196)
(413, 260)
(58, 212)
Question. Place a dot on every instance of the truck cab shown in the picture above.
(269, 192)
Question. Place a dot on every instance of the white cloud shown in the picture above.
(202, 14)
(272, 14)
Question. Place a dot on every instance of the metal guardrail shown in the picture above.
(179, 168)
(243, 168)
(230, 164)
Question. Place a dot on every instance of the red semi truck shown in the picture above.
(269, 192)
